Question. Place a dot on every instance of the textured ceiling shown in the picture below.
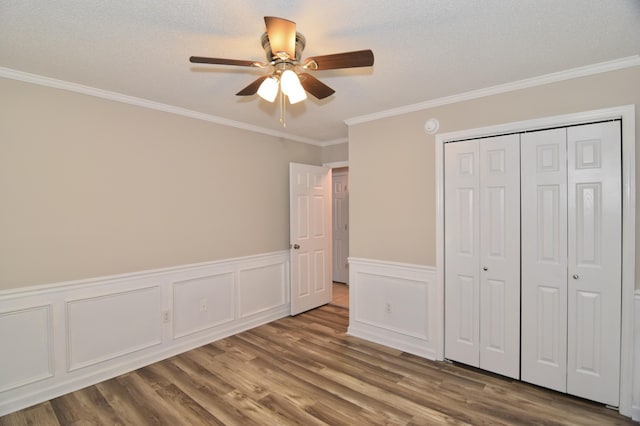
(424, 49)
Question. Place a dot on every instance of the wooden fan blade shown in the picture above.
(282, 35)
(358, 58)
(220, 61)
(315, 86)
(252, 89)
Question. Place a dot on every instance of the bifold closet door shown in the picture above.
(544, 258)
(482, 253)
(571, 257)
(595, 258)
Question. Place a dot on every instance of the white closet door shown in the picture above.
(462, 252)
(594, 290)
(500, 255)
(544, 258)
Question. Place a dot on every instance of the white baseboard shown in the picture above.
(635, 405)
(395, 304)
(58, 338)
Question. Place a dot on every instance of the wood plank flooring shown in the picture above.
(306, 370)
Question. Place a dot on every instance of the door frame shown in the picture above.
(627, 114)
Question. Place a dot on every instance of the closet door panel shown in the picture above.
(500, 255)
(544, 258)
(461, 252)
(594, 242)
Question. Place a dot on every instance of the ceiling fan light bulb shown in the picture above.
(297, 95)
(289, 80)
(291, 87)
(268, 90)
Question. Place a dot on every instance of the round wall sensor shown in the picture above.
(431, 126)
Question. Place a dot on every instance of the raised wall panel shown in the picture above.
(105, 327)
(26, 347)
(261, 288)
(201, 303)
(411, 323)
(63, 337)
(395, 304)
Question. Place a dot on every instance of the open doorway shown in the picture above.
(340, 235)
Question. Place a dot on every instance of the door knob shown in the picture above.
(295, 246)
(484, 268)
(576, 276)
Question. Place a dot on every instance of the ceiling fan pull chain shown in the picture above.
(283, 110)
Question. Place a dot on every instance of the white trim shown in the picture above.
(334, 142)
(635, 407)
(120, 348)
(88, 282)
(336, 164)
(628, 62)
(627, 113)
(145, 103)
(375, 284)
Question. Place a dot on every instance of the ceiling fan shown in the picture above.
(288, 74)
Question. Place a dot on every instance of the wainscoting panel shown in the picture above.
(395, 304)
(202, 303)
(105, 327)
(261, 288)
(58, 338)
(26, 346)
(635, 407)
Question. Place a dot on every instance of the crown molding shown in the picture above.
(334, 142)
(628, 62)
(145, 103)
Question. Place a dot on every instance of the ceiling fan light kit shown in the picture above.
(287, 75)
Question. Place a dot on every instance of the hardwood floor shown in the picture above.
(306, 370)
(340, 295)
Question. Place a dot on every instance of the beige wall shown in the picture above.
(91, 187)
(335, 153)
(391, 160)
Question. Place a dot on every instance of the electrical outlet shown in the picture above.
(166, 316)
(203, 305)
(388, 307)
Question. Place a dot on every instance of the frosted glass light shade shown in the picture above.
(268, 90)
(291, 87)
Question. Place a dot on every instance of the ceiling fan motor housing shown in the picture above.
(300, 44)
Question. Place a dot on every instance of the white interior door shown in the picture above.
(310, 234)
(482, 253)
(340, 226)
(594, 238)
(500, 255)
(462, 252)
(544, 258)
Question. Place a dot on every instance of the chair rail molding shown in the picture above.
(394, 304)
(58, 338)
